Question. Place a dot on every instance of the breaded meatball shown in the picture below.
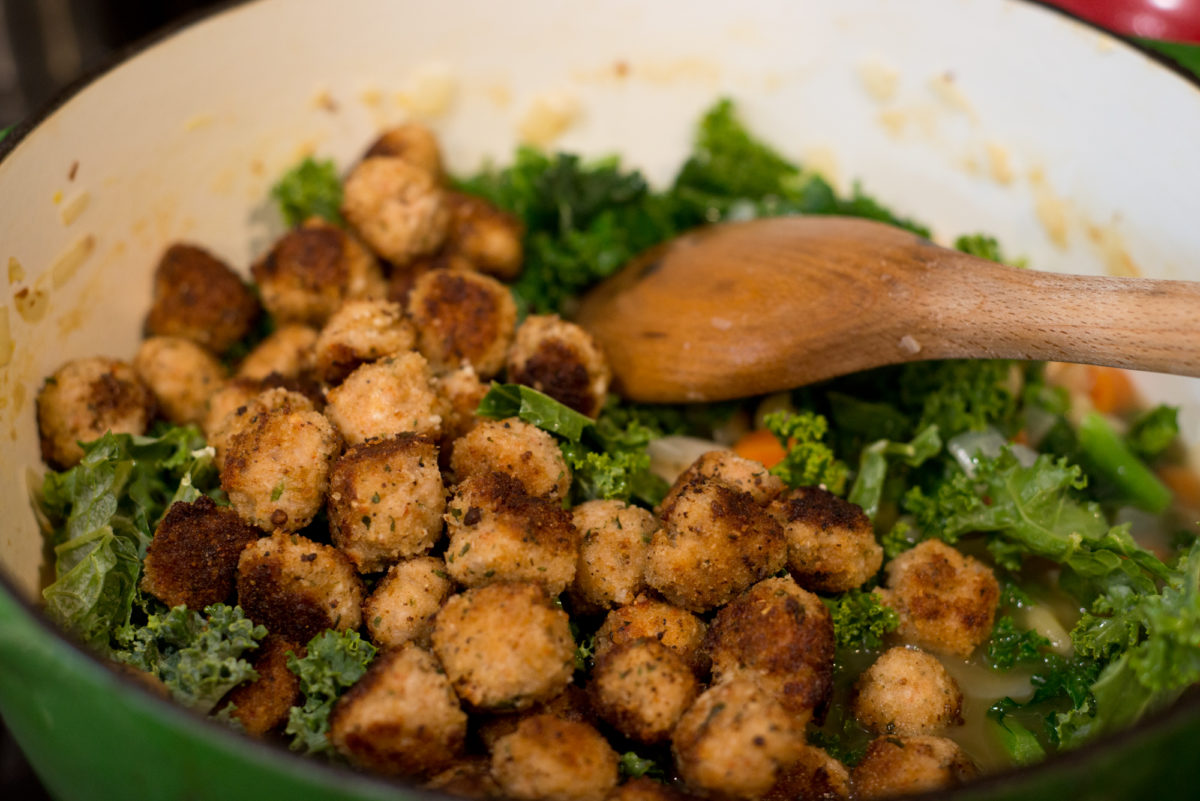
(728, 468)
(462, 317)
(831, 542)
(469, 777)
(361, 331)
(194, 554)
(946, 601)
(676, 628)
(401, 718)
(498, 532)
(297, 588)
(460, 391)
(262, 705)
(641, 689)
(312, 270)
(780, 636)
(735, 740)
(288, 351)
(386, 500)
(516, 448)
(401, 607)
(412, 142)
(561, 360)
(614, 537)
(246, 412)
(504, 646)
(643, 789)
(276, 468)
(197, 297)
(181, 374)
(384, 398)
(396, 207)
(907, 692)
(907, 765)
(571, 704)
(488, 238)
(814, 776)
(238, 392)
(404, 277)
(550, 759)
(715, 543)
(84, 399)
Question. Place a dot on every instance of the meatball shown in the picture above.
(247, 412)
(504, 646)
(361, 331)
(286, 352)
(735, 740)
(907, 692)
(728, 468)
(561, 360)
(276, 468)
(386, 500)
(814, 776)
(460, 391)
(643, 789)
(676, 628)
(715, 542)
(297, 588)
(312, 270)
(193, 557)
(401, 718)
(946, 601)
(831, 542)
(462, 317)
(614, 537)
(469, 777)
(402, 605)
(197, 297)
(84, 399)
(181, 374)
(262, 706)
(780, 636)
(396, 207)
(896, 766)
(238, 392)
(412, 142)
(385, 398)
(498, 532)
(488, 238)
(516, 448)
(571, 704)
(550, 759)
(641, 689)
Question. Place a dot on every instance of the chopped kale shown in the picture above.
(310, 189)
(334, 661)
(860, 620)
(809, 461)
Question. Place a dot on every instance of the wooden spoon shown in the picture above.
(739, 309)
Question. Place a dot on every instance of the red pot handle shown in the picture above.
(1169, 20)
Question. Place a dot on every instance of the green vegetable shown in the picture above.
(809, 461)
(1008, 645)
(535, 408)
(334, 661)
(1108, 455)
(1153, 431)
(635, 767)
(873, 465)
(1020, 743)
(860, 620)
(985, 247)
(198, 657)
(310, 189)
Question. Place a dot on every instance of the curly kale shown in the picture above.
(860, 620)
(808, 461)
(333, 662)
(310, 189)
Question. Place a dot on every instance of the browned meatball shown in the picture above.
(396, 207)
(83, 400)
(181, 374)
(403, 603)
(641, 689)
(643, 789)
(515, 448)
(287, 352)
(469, 777)
(386, 500)
(814, 776)
(831, 542)
(361, 331)
(412, 142)
(312, 270)
(384, 398)
(907, 692)
(612, 553)
(716, 541)
(460, 391)
(676, 628)
(561, 360)
(297, 588)
(401, 718)
(550, 759)
(262, 705)
(239, 392)
(194, 554)
(197, 297)
(488, 238)
(781, 636)
(247, 404)
(571, 704)
(728, 468)
(908, 765)
(946, 601)
(462, 317)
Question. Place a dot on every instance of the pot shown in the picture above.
(1074, 148)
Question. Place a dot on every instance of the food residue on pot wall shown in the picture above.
(549, 116)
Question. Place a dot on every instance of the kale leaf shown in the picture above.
(873, 465)
(808, 461)
(861, 620)
(332, 663)
(1153, 431)
(310, 189)
(985, 247)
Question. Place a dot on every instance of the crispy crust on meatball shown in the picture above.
(814, 776)
(728, 468)
(641, 689)
(181, 374)
(403, 603)
(460, 391)
(907, 692)
(412, 142)
(386, 500)
(384, 398)
(550, 759)
(84, 399)
(676, 628)
(946, 601)
(516, 448)
(488, 238)
(504, 646)
(643, 789)
(469, 777)
(396, 207)
(197, 297)
(831, 542)
(462, 316)
(262, 705)
(614, 537)
(297, 588)
(193, 557)
(361, 331)
(401, 718)
(562, 360)
(247, 412)
(571, 704)
(908, 765)
(238, 392)
(286, 352)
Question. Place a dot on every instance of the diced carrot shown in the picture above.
(761, 446)
(1184, 482)
(1110, 390)
(1021, 437)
